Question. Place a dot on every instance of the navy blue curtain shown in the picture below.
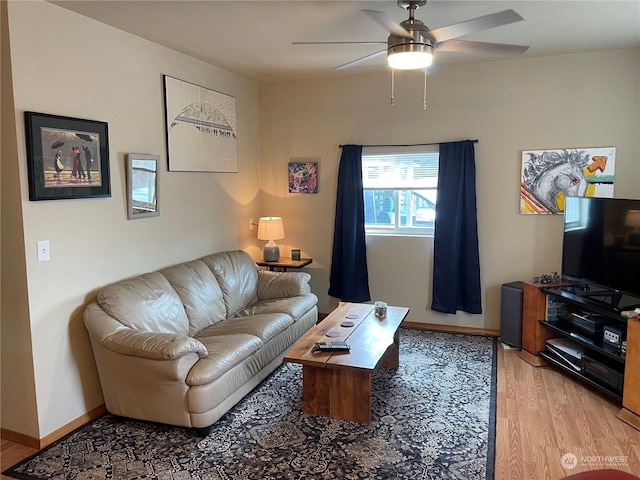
(456, 260)
(349, 280)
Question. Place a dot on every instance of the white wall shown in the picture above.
(66, 64)
(586, 100)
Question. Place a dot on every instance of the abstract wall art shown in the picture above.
(548, 176)
(201, 128)
(303, 177)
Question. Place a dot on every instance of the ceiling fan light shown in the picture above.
(409, 60)
(410, 56)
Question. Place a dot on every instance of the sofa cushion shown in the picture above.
(295, 307)
(237, 275)
(147, 302)
(225, 352)
(200, 294)
(265, 326)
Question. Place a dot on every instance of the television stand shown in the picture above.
(547, 313)
(588, 293)
(598, 297)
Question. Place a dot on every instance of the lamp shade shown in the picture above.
(270, 228)
(632, 219)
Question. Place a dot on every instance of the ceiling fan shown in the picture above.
(411, 44)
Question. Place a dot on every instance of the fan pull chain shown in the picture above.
(393, 81)
(424, 103)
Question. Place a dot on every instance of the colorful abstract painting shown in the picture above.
(303, 177)
(548, 176)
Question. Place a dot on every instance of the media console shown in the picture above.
(580, 330)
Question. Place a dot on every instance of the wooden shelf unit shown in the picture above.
(539, 309)
(534, 335)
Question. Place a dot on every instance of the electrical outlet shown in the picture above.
(44, 254)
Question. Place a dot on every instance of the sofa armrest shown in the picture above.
(114, 336)
(282, 284)
(154, 346)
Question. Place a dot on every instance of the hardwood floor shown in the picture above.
(542, 415)
(12, 453)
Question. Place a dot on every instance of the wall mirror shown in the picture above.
(142, 185)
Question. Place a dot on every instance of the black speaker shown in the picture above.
(511, 314)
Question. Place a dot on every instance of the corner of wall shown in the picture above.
(19, 406)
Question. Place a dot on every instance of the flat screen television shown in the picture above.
(601, 249)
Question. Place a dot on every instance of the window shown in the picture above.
(400, 189)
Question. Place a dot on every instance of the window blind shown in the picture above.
(400, 170)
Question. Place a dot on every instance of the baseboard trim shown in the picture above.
(452, 328)
(40, 443)
(438, 326)
(20, 438)
(629, 417)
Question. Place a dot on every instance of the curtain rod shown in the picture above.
(415, 144)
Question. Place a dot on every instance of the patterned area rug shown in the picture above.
(433, 418)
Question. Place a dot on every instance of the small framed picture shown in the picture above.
(142, 186)
(66, 157)
(303, 177)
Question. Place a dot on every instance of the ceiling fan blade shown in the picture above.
(475, 25)
(481, 47)
(361, 60)
(383, 19)
(338, 43)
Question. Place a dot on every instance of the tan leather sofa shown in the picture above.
(181, 346)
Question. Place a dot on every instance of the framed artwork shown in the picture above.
(303, 177)
(66, 157)
(142, 186)
(201, 128)
(548, 176)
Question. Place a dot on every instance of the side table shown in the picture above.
(284, 263)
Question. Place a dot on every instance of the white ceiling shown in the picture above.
(253, 38)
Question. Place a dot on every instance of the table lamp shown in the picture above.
(270, 229)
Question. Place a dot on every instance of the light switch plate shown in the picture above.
(44, 254)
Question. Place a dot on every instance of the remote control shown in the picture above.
(330, 347)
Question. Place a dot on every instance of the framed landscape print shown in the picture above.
(201, 128)
(66, 157)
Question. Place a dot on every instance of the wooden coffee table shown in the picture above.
(338, 384)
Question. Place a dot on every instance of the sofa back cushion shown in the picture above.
(147, 302)
(201, 296)
(237, 276)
